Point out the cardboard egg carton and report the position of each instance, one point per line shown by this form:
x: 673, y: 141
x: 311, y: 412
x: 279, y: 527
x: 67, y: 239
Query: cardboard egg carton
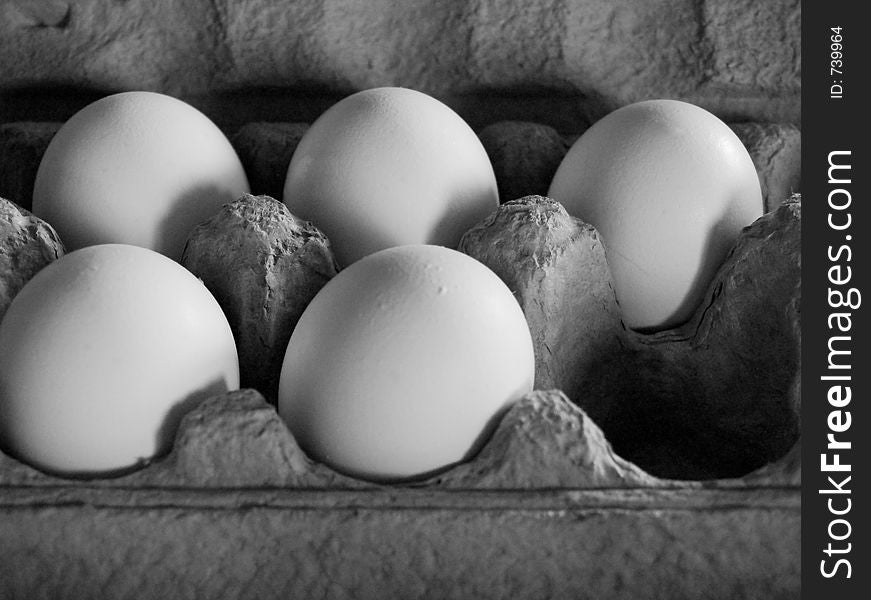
x: 643, y: 466
x: 561, y: 62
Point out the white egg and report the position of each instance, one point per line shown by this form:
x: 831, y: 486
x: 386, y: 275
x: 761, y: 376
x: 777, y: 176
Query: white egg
x: 136, y: 168
x: 387, y: 167
x: 403, y: 362
x: 101, y: 353
x: 669, y: 186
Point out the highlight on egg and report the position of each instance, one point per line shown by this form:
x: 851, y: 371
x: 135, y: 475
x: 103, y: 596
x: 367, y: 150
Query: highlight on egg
x: 403, y: 363
x: 136, y: 168
x: 101, y: 354
x: 669, y: 187
x: 387, y: 167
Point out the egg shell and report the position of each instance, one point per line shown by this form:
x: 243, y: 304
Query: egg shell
x: 669, y: 186
x: 403, y: 362
x: 387, y: 167
x: 100, y: 355
x: 137, y: 168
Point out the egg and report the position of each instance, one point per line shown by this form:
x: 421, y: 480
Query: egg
x: 136, y: 168
x: 101, y: 353
x: 403, y: 363
x: 387, y: 167
x: 669, y: 187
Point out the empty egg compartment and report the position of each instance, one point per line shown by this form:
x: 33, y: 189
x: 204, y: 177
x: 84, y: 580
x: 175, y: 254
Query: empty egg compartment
x: 716, y: 397
x: 660, y: 465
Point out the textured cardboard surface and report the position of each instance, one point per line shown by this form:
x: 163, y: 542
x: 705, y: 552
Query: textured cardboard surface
x: 27, y: 244
x: 711, y: 398
x: 263, y: 265
x: 546, y: 510
x: 560, y: 62
x: 552, y: 545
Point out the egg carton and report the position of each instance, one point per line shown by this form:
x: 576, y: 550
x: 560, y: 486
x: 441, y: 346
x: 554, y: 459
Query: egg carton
x: 664, y: 465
